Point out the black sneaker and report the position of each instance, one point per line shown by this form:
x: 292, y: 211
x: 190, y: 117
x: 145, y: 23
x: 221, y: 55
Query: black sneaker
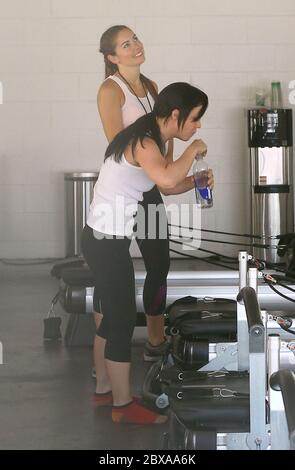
x: 154, y: 353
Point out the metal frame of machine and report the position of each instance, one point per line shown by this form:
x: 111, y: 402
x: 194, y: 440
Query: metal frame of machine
x: 260, y: 354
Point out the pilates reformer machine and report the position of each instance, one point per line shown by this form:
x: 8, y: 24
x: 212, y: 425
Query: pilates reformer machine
x: 222, y: 378
x: 227, y: 381
x: 188, y: 276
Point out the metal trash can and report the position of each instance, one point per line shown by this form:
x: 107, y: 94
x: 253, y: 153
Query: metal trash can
x: 78, y: 194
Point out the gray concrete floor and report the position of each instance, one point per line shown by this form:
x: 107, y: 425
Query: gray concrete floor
x: 46, y: 389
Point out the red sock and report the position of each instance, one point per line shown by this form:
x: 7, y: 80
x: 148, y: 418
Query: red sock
x: 136, y: 413
x: 103, y: 399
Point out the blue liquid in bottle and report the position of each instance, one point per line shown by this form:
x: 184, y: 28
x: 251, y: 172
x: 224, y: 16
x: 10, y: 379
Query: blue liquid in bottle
x: 204, y: 196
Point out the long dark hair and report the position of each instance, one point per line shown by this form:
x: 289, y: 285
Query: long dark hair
x: 107, y: 47
x: 181, y: 96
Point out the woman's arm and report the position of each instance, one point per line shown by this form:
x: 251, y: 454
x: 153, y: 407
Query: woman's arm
x: 110, y: 100
x: 166, y: 175
x: 187, y: 184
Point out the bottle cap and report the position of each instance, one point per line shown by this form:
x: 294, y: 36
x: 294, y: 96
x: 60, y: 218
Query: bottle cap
x: 260, y: 97
x: 200, y: 155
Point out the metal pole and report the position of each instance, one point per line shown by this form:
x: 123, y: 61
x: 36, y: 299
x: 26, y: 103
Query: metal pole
x: 278, y: 423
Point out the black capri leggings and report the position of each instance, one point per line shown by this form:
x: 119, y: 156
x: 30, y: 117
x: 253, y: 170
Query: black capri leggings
x: 110, y: 261
x: 155, y: 253
x: 111, y: 264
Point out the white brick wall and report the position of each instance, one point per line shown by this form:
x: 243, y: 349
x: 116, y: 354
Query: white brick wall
x: 50, y: 69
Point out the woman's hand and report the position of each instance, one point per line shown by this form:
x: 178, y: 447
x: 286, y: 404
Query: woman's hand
x: 210, y: 179
x: 200, y: 147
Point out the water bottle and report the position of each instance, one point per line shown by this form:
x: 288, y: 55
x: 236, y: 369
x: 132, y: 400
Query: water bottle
x: 276, y: 95
x: 203, y: 192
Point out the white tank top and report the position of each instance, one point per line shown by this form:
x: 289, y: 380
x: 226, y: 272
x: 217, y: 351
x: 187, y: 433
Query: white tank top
x: 118, y: 190
x: 132, y: 109
x: 120, y: 186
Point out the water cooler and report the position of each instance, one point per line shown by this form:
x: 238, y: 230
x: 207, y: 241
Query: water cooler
x: 270, y: 142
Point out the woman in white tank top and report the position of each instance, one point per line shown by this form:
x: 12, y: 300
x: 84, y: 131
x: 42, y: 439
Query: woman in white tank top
x: 176, y: 114
x: 123, y: 97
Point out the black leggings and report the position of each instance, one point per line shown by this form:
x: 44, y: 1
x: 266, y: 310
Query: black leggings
x: 155, y: 253
x: 111, y: 264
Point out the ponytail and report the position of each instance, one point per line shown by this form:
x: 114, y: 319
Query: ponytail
x: 110, y: 68
x: 150, y: 86
x: 145, y: 126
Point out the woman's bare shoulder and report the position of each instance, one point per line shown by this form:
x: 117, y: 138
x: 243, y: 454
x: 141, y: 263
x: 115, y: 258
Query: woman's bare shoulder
x: 147, y: 147
x: 108, y: 87
x: 110, y: 94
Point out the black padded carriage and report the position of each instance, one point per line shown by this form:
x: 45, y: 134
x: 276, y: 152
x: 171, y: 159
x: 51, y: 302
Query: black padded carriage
x: 203, y: 404
x: 195, y: 323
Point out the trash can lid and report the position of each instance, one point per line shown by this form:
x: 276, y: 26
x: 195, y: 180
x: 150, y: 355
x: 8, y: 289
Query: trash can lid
x: 85, y: 175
